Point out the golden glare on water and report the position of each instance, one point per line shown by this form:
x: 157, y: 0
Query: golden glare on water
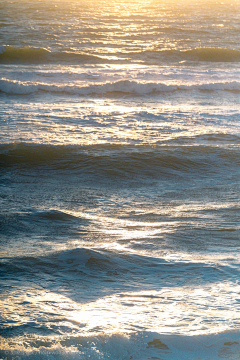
x: 119, y: 170
x: 190, y: 311
x: 113, y: 124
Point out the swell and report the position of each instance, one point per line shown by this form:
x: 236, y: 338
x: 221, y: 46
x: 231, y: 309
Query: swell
x: 32, y: 221
x: 207, y: 54
x: 131, y: 87
x: 89, y: 265
x: 213, y: 54
x: 28, y: 55
x: 121, y: 160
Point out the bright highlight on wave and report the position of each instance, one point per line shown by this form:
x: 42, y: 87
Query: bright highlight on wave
x: 118, y: 87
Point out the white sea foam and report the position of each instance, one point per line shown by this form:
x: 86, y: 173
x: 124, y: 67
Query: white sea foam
x: 136, y: 346
x: 118, y: 87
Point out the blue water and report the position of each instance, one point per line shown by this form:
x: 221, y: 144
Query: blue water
x: 119, y: 180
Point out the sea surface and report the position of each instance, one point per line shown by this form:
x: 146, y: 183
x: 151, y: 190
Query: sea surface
x: 119, y: 180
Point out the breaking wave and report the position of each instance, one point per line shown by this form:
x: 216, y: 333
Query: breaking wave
x: 81, y: 347
x: 140, y: 345
x: 114, y: 88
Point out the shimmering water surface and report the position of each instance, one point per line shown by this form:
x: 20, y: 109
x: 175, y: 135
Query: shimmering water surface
x: 119, y: 181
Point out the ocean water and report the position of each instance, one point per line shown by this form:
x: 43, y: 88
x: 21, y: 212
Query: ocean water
x: 119, y: 179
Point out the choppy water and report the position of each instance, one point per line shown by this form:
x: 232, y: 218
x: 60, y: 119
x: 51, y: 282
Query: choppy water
x: 119, y: 158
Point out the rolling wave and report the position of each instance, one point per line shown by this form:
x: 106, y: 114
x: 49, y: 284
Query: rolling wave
x: 119, y: 87
x: 121, y: 160
x: 207, y: 54
x: 98, y: 263
x: 213, y: 54
x: 28, y: 55
x: 12, y: 55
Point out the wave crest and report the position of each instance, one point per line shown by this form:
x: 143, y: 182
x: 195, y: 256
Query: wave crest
x: 119, y: 87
